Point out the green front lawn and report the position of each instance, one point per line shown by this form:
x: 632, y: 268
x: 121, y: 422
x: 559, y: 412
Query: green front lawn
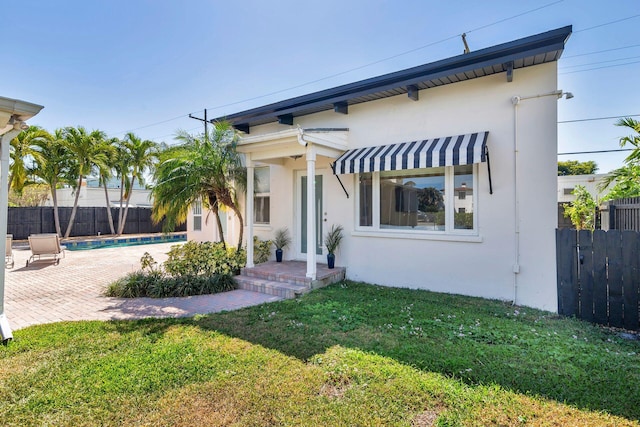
x: 349, y: 354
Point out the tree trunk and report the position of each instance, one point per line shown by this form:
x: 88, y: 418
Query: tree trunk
x: 235, y: 209
x: 56, y: 214
x: 120, y: 206
x: 106, y: 196
x: 215, y: 208
x: 126, y: 206
x: 75, y: 208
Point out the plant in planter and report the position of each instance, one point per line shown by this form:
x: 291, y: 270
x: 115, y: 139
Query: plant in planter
x: 282, y: 240
x: 332, y: 240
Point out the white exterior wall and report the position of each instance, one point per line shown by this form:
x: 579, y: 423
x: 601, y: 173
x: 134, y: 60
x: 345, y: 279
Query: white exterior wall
x: 481, y: 265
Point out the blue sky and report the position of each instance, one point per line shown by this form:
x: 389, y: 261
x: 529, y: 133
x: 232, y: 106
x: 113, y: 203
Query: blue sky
x: 143, y: 65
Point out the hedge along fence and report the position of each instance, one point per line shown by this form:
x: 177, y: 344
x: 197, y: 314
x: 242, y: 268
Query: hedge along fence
x: 90, y: 221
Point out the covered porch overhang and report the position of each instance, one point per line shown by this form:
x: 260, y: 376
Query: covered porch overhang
x: 274, y: 148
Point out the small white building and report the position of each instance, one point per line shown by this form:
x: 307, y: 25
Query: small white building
x: 444, y: 176
x: 567, y: 183
x: 94, y: 197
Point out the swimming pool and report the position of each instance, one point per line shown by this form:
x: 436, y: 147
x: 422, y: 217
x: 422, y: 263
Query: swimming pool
x: 116, y: 242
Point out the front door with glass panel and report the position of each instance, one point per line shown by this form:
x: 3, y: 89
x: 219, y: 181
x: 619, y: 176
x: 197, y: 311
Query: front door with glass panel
x: 302, y: 214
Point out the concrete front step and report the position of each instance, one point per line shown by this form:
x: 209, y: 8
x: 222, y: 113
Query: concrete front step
x: 270, y: 287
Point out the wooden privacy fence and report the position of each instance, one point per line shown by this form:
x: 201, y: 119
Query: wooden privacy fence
x: 89, y: 221
x: 624, y: 214
x: 599, y: 277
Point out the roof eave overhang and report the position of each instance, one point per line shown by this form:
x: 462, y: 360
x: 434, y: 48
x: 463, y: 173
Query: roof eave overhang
x: 550, y: 45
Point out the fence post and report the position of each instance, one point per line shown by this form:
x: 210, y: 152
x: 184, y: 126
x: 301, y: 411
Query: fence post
x: 612, y: 216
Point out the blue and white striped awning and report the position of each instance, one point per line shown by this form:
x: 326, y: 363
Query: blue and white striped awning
x: 429, y: 153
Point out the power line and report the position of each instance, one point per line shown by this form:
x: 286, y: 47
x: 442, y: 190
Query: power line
x: 599, y: 118
x: 600, y: 68
x: 599, y: 62
x: 595, y: 152
x: 607, y: 23
x: 600, y: 51
x: 387, y: 59
x: 353, y: 69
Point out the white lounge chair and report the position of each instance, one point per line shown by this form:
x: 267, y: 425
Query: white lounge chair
x: 9, y: 262
x: 45, y: 245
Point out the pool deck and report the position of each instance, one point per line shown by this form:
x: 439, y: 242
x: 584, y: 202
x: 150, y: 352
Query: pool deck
x: 72, y: 290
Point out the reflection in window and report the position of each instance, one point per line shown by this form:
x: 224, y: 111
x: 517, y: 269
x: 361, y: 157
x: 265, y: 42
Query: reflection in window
x: 366, y: 201
x: 262, y: 199
x: 463, y: 200
x: 431, y: 199
x: 413, y: 199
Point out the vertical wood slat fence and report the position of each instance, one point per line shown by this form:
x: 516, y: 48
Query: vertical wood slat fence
x: 624, y: 214
x: 89, y: 221
x: 599, y: 276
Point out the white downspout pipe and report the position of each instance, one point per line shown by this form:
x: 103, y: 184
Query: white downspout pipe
x: 516, y: 201
x: 515, y: 100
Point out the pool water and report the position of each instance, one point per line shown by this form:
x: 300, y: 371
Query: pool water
x: 83, y: 245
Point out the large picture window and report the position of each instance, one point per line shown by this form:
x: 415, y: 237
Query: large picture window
x: 262, y: 196
x: 439, y: 200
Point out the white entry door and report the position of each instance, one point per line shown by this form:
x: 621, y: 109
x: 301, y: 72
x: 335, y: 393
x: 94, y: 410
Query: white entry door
x: 301, y: 213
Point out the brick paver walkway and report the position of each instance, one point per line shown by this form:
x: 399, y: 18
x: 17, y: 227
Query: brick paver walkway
x: 72, y: 290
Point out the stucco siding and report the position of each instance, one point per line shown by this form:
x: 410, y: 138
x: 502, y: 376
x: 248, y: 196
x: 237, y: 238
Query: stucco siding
x: 479, y: 265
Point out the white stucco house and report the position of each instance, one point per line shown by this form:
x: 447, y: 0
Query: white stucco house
x: 444, y: 176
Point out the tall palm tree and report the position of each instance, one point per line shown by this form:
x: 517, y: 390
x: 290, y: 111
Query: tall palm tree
x: 105, y: 171
x: 52, y: 165
x: 21, y: 147
x: 87, y: 150
x: 141, y: 155
x: 205, y: 168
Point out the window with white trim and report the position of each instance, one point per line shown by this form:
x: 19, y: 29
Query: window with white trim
x: 262, y: 196
x: 433, y: 200
x: 196, y: 209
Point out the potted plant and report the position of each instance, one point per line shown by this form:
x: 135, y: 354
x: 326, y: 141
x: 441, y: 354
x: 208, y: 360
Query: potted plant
x: 282, y: 240
x: 332, y: 240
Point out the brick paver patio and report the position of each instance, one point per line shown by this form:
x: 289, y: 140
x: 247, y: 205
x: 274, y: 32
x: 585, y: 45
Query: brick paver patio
x: 72, y: 290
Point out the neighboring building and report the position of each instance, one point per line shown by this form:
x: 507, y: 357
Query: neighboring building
x: 401, y: 161
x: 567, y: 183
x: 94, y: 197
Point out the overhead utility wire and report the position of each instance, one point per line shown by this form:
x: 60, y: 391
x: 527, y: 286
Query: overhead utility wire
x: 386, y: 59
x: 600, y: 68
x: 600, y: 51
x: 606, y: 23
x: 599, y: 118
x: 599, y: 62
x: 596, y: 151
x: 393, y: 57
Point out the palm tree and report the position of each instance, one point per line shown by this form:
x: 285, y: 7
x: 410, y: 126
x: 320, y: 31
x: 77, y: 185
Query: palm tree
x: 205, y: 168
x: 105, y: 170
x: 87, y: 150
x: 52, y: 166
x: 627, y: 177
x: 21, y: 147
x: 139, y: 156
x: 631, y: 139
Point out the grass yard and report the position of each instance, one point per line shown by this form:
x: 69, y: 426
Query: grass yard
x: 349, y: 354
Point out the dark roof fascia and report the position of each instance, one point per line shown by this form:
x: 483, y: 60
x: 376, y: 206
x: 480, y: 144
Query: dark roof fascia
x: 549, y: 41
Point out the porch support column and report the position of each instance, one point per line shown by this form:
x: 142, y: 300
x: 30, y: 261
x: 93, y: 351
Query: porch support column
x: 311, y: 212
x: 249, y: 210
